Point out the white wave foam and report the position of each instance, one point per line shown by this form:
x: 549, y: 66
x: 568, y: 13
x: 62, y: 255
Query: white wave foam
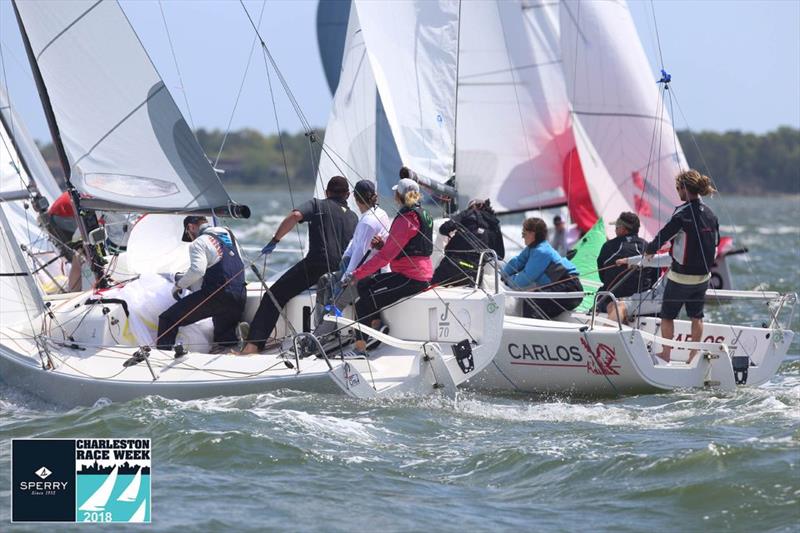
x: 598, y: 413
x: 778, y: 230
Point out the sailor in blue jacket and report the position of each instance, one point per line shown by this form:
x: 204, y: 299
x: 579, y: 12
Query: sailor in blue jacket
x: 540, y: 268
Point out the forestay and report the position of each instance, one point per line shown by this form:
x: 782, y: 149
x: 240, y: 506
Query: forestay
x: 127, y: 144
x: 616, y: 98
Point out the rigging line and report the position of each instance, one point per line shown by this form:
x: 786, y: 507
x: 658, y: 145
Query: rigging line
x: 515, y: 82
x: 241, y: 87
x: 177, y: 67
x: 286, y: 168
x: 658, y: 39
x: 658, y: 126
x: 455, y: 103
x: 292, y: 100
x: 748, y: 259
x: 576, y: 19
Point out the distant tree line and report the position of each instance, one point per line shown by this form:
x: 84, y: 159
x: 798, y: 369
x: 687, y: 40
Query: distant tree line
x: 739, y: 162
x: 747, y: 163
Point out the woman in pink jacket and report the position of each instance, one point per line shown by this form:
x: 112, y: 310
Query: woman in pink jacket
x: 407, y: 250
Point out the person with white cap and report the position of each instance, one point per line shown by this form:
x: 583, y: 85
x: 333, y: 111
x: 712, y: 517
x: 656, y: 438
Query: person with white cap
x: 407, y: 250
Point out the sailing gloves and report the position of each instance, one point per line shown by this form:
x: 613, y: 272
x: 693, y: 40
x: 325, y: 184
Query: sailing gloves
x: 270, y: 247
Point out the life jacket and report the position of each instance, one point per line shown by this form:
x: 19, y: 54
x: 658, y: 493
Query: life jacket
x: 420, y: 244
x: 229, y: 267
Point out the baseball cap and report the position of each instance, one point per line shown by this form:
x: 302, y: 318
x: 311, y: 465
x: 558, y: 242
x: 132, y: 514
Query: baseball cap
x: 191, y: 219
x: 405, y: 185
x: 364, y: 190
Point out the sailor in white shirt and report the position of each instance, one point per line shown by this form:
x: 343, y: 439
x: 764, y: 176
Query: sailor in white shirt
x: 372, y: 229
x: 374, y: 222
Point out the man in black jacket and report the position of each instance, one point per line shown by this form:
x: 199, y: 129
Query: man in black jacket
x: 471, y: 232
x: 618, y: 279
x: 331, y: 224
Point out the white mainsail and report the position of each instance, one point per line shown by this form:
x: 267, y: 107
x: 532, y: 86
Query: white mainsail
x: 615, y: 95
x: 131, y: 492
x: 513, y: 115
x: 127, y: 144
x: 98, y: 500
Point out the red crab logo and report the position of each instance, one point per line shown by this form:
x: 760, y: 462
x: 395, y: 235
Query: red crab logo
x: 601, y: 361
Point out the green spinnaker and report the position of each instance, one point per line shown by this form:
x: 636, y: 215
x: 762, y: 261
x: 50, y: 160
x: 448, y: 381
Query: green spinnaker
x: 585, y: 259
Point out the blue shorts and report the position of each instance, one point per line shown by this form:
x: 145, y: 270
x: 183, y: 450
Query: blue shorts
x: 676, y: 295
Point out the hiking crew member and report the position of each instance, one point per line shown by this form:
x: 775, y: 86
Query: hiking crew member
x: 541, y: 268
x: 618, y: 279
x: 373, y: 226
x: 330, y: 227
x: 215, y: 260
x: 471, y: 232
x: 407, y: 251
x: 694, y: 232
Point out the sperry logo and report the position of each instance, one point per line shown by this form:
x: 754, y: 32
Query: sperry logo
x: 43, y: 472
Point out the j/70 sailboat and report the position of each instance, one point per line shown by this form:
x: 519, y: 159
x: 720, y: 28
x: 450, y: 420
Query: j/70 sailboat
x: 534, y: 104
x: 124, y: 146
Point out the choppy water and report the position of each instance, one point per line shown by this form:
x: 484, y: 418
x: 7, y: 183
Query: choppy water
x: 683, y: 461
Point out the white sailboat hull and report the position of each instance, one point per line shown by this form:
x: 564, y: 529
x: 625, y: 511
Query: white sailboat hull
x: 551, y: 357
x: 419, y: 364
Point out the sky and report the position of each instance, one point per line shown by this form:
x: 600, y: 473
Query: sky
x: 735, y: 64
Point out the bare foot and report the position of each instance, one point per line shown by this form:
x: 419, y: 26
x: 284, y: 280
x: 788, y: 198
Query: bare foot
x: 249, y: 349
x: 663, y: 356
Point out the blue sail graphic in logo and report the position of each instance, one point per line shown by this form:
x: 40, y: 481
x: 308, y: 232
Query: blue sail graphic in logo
x: 115, y: 497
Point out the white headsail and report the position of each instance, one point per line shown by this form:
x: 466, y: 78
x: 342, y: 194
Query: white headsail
x: 127, y: 145
x: 22, y: 168
x: 412, y: 49
x: 349, y: 147
x: 21, y: 300
x: 24, y: 154
x: 615, y: 95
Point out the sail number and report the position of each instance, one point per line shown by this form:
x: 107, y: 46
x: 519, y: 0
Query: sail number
x: 96, y: 516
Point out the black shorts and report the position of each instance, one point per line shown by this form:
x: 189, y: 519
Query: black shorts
x: 676, y: 295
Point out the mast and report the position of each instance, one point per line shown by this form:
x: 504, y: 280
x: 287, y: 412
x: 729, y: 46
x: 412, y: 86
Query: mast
x: 84, y: 218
